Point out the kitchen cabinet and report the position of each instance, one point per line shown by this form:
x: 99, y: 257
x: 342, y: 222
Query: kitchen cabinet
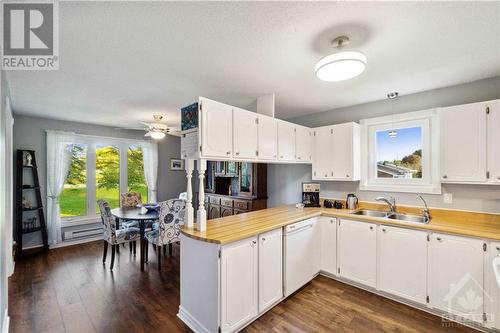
x: 456, y: 275
x: 268, y: 138
x: 493, y: 143
x: 216, y: 129
x: 328, y: 235
x: 286, y: 141
x: 402, y: 263
x: 270, y: 268
x: 239, y: 283
x: 463, y: 143
x: 303, y: 144
x: 357, y: 252
x: 492, y: 290
x: 337, y: 150
x: 245, y: 134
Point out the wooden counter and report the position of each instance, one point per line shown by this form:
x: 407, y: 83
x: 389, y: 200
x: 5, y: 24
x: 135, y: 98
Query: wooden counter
x: 233, y: 228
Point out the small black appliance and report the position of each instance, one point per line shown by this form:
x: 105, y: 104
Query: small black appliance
x: 310, y: 194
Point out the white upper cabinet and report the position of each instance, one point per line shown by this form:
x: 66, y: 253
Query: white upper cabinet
x: 239, y: 283
x: 456, y: 275
x: 493, y: 143
x: 346, y: 152
x: 270, y: 268
x: 286, y: 141
x: 245, y: 134
x: 402, y: 268
x: 357, y: 252
x: 216, y: 129
x: 268, y: 138
x: 337, y: 152
x: 328, y: 228
x: 463, y: 143
x: 303, y: 144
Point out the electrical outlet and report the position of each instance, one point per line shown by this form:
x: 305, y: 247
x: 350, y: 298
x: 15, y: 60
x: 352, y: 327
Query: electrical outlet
x: 448, y: 198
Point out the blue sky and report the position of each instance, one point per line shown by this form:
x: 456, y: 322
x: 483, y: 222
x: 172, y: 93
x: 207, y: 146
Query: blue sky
x: 406, y: 142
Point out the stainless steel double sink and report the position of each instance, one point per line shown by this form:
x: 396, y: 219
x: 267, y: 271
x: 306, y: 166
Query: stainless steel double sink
x: 392, y: 216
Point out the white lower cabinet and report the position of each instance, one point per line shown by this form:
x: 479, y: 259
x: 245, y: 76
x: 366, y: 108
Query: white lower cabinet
x: 239, y: 283
x: 456, y: 275
x: 402, y: 263
x: 492, y: 288
x: 328, y: 228
x: 270, y: 268
x: 357, y: 252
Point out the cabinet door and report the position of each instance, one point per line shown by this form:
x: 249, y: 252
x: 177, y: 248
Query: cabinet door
x: 494, y: 141
x: 239, y: 280
x: 402, y: 269
x: 268, y: 138
x: 328, y: 251
x: 492, y: 287
x: 270, y: 268
x: 304, y: 144
x: 286, y: 141
x: 245, y: 134
x: 456, y: 275
x: 346, y: 148
x: 322, y: 154
x: 213, y: 211
x: 357, y: 252
x: 463, y: 143
x: 216, y: 129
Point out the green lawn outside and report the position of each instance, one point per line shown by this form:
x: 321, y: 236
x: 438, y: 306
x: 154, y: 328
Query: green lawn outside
x: 73, y: 200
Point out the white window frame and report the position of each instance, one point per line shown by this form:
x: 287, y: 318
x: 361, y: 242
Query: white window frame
x: 91, y: 142
x: 428, y: 120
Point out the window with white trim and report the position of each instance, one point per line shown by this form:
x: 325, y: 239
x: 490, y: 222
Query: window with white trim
x: 402, y: 153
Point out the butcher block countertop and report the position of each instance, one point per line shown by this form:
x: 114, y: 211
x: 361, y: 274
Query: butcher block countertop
x: 229, y: 229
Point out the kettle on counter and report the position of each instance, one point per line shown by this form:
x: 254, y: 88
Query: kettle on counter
x: 351, y: 201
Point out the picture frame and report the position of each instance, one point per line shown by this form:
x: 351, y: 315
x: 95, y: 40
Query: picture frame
x: 176, y: 164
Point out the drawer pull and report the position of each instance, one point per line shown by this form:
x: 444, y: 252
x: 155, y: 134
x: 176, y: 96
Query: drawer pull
x: 384, y: 230
x: 445, y: 176
x: 371, y: 227
x: 237, y: 153
x: 439, y: 239
x: 263, y: 238
x: 498, y: 248
x: 228, y: 153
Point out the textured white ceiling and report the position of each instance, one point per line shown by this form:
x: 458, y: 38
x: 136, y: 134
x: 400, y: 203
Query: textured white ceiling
x: 121, y: 62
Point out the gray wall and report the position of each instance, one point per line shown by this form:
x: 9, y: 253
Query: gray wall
x: 284, y: 181
x: 29, y: 133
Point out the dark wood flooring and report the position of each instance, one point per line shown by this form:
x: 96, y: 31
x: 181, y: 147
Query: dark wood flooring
x: 69, y: 290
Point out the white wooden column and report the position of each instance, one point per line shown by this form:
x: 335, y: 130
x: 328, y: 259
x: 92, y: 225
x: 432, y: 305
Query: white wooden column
x: 189, y: 164
x: 201, y: 219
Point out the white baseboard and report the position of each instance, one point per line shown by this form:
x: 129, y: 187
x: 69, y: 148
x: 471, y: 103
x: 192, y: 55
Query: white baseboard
x: 76, y: 242
x: 191, y: 322
x: 6, y: 322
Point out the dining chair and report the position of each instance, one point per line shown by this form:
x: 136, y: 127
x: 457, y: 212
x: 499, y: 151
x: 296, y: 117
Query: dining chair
x: 130, y: 200
x: 114, y: 236
x: 171, y: 218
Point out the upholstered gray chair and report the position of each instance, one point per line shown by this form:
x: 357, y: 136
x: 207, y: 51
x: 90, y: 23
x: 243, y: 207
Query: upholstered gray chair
x: 112, y: 235
x: 171, y: 218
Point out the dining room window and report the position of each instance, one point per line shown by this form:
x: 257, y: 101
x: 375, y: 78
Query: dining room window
x: 107, y: 174
x: 135, y: 172
x: 73, y: 198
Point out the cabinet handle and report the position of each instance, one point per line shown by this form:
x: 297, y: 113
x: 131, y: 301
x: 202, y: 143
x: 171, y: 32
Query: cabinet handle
x: 371, y: 227
x: 326, y: 175
x: 281, y: 156
x: 384, y: 229
x: 445, y: 176
x: 263, y: 238
x: 331, y: 221
x: 253, y: 243
x: 347, y: 176
x: 274, y: 156
x: 498, y: 177
x: 439, y: 239
x: 237, y: 153
x: 298, y: 157
x: 228, y: 153
x: 498, y: 248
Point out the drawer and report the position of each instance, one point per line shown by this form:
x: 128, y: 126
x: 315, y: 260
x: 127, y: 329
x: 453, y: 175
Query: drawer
x: 214, y: 200
x: 243, y: 204
x: 226, y: 202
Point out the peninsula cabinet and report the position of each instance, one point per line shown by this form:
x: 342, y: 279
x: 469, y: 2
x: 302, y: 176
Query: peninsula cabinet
x: 239, y: 283
x: 357, y: 252
x: 402, y: 263
x: 492, y: 289
x: 245, y: 134
x: 217, y: 129
x: 469, y: 136
x: 456, y: 275
x: 268, y: 138
x: 337, y: 150
x: 286, y: 141
x: 270, y: 268
x: 328, y: 228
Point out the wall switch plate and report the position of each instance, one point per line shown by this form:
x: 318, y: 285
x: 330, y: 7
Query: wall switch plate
x: 448, y: 198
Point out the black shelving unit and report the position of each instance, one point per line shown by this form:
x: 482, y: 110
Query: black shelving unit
x: 28, y: 219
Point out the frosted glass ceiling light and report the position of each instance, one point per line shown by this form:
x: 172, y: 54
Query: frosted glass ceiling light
x: 342, y: 65
x: 392, y: 97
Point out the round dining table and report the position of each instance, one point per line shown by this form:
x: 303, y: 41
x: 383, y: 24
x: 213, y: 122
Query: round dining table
x: 135, y: 214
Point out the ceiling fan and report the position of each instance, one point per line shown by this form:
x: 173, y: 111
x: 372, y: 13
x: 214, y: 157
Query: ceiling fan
x: 156, y: 129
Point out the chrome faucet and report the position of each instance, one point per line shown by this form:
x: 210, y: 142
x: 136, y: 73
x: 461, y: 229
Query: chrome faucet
x: 391, y: 202
x: 425, y: 210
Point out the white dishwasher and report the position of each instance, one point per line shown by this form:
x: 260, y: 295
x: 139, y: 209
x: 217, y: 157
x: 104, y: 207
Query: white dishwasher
x: 299, y: 254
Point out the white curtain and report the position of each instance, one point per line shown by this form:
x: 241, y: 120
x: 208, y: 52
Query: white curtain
x: 58, y: 159
x: 150, y: 156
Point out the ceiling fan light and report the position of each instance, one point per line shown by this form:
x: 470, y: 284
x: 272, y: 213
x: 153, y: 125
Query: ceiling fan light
x: 157, y: 135
x: 341, y: 66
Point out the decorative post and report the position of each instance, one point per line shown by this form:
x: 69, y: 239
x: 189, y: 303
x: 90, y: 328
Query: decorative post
x: 201, y: 220
x: 189, y: 201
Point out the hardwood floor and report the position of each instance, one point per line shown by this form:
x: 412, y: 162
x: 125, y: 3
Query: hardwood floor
x: 69, y: 290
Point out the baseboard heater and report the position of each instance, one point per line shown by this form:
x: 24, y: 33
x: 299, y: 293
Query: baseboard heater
x: 82, y: 233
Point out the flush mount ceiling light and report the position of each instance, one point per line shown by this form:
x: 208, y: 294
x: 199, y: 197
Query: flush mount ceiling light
x: 340, y: 66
